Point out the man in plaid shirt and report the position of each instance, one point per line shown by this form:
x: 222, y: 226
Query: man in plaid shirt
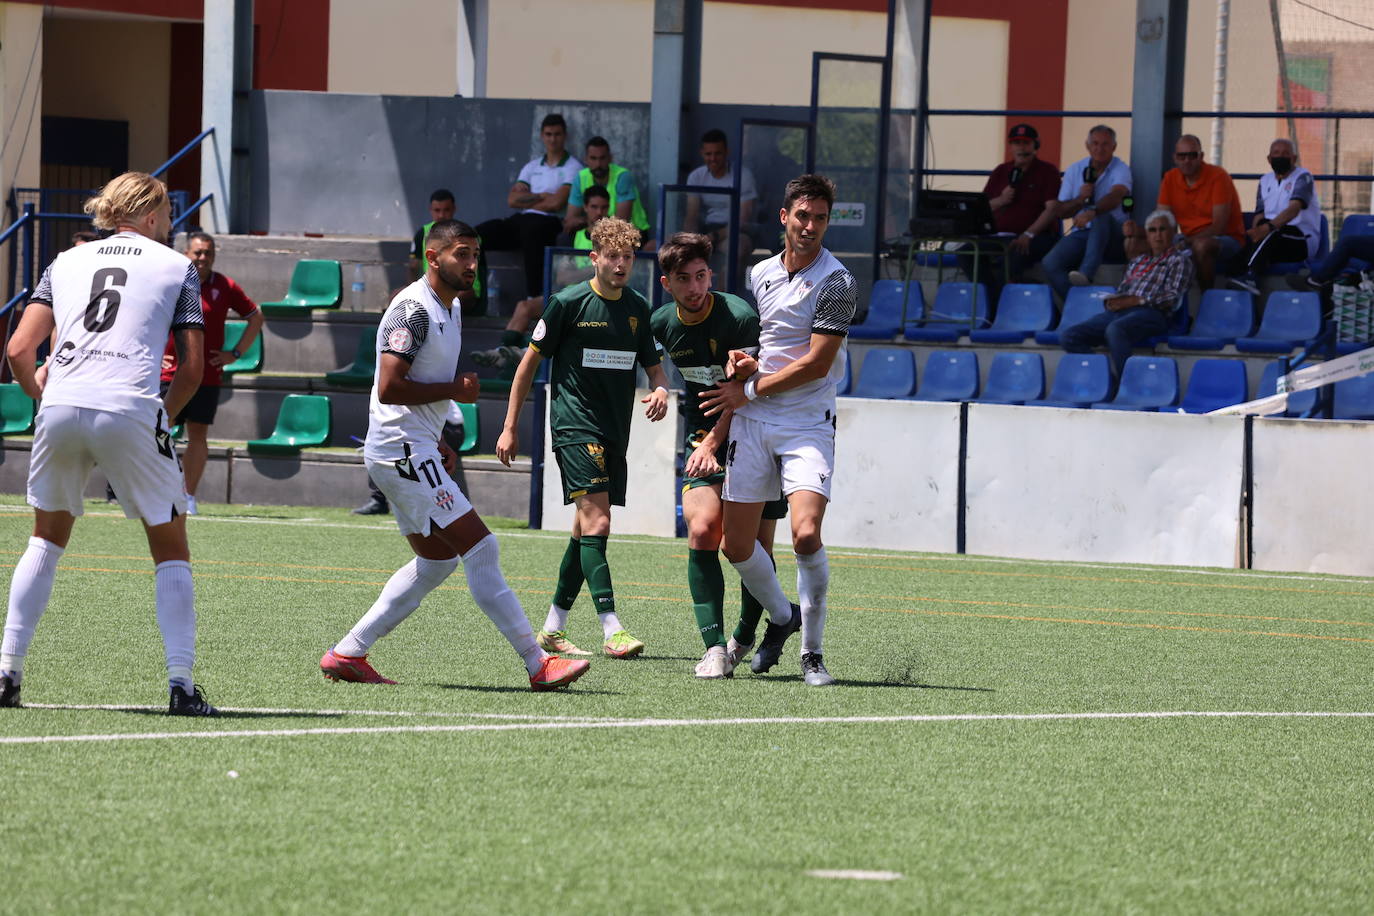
x: 1141, y: 306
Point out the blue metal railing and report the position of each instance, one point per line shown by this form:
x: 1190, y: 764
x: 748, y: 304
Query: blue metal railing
x: 183, y: 151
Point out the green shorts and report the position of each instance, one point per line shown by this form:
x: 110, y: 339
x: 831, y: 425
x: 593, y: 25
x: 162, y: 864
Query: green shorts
x: 590, y: 467
x: 773, y: 509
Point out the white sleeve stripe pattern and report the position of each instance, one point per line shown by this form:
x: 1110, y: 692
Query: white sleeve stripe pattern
x: 43, y: 293
x: 404, y: 329
x: 835, y: 303
x: 188, y: 312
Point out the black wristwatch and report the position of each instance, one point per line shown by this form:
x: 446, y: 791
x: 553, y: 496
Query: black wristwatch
x: 236, y: 352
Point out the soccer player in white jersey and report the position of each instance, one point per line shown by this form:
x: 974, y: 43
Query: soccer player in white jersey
x: 418, y: 344
x: 112, y: 303
x: 783, y: 429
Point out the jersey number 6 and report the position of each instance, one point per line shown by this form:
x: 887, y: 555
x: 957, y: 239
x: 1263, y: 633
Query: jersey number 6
x: 104, y: 306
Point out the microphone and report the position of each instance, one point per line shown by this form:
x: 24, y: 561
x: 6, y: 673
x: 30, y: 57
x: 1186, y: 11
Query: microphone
x: 1089, y: 173
x: 1015, y: 178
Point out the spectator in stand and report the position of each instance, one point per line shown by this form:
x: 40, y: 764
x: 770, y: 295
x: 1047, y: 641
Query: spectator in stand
x: 715, y: 171
x: 539, y: 196
x: 1288, y: 218
x: 601, y: 171
x: 84, y: 236
x: 1019, y: 192
x: 1091, y: 194
x: 1320, y: 279
x: 1146, y: 299
x: 442, y: 206
x: 1203, y: 199
x: 597, y: 202
x: 218, y: 294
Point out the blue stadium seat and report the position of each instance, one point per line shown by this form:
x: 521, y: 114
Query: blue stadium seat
x: 1022, y: 309
x: 888, y: 372
x: 847, y: 382
x: 1014, y: 378
x: 950, y: 315
x: 951, y: 375
x: 884, y: 319
x: 1214, y: 383
x: 1147, y: 383
x: 1358, y: 224
x: 1290, y: 320
x: 1223, y: 316
x: 1082, y: 303
x: 1299, y: 402
x: 1354, y: 399
x: 1080, y: 380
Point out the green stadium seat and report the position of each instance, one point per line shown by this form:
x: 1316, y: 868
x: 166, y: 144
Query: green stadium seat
x: 359, y: 373
x: 472, y: 427
x: 16, y: 411
x: 251, y: 360
x: 314, y: 285
x: 304, y: 422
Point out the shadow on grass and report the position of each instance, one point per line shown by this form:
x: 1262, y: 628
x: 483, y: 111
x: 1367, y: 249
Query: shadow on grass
x: 488, y: 688
x: 850, y: 682
x: 241, y: 714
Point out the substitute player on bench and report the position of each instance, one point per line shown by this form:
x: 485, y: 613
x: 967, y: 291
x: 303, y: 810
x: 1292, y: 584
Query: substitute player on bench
x: 113, y: 303
x: 783, y: 430
x: 418, y: 344
x: 697, y: 334
x: 595, y: 332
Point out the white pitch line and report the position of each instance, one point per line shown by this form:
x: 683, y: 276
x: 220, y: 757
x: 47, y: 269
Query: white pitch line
x: 855, y: 874
x: 563, y: 725
x: 263, y: 710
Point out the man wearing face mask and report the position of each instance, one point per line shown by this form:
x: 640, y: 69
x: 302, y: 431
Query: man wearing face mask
x: 1287, y: 224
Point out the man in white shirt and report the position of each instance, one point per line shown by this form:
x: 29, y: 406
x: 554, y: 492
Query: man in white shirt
x: 782, y: 434
x: 1288, y: 218
x: 538, y: 197
x: 715, y: 172
x: 1090, y: 194
x: 112, y: 304
x: 418, y: 344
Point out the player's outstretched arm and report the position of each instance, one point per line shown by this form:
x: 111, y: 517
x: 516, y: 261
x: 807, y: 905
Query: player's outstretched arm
x: 190, y: 347
x: 34, y: 327
x: 509, y: 443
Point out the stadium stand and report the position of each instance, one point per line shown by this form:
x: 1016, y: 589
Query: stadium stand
x: 1290, y: 320
x: 1223, y: 316
x: 304, y: 421
x: 472, y: 427
x: 1299, y: 402
x: 1354, y: 399
x: 16, y: 411
x: 847, y: 383
x: 1214, y: 383
x: 314, y: 285
x: 251, y: 360
x: 1083, y: 302
x: 892, y: 305
x: 1147, y: 383
x: 1081, y: 379
x: 951, y: 375
x: 360, y: 372
x: 888, y: 372
x: 1014, y: 378
x: 1022, y: 310
x: 957, y: 308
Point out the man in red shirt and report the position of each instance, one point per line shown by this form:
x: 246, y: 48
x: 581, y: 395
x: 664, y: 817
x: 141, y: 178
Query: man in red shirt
x: 1203, y: 199
x: 1017, y: 191
x: 218, y: 294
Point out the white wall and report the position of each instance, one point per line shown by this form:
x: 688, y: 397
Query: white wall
x: 552, y: 49
x: 21, y: 84
x: 401, y: 47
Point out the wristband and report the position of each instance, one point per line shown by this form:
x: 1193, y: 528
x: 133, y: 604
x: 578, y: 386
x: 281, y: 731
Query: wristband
x: 236, y: 353
x: 662, y: 389
x: 751, y: 389
x: 1028, y: 234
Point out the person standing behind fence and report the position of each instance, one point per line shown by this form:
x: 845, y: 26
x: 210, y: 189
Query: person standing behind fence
x: 112, y: 304
x: 218, y: 294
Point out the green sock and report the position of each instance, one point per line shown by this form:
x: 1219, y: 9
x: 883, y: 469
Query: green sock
x: 569, y: 575
x: 511, y: 338
x: 598, y: 573
x: 708, y: 595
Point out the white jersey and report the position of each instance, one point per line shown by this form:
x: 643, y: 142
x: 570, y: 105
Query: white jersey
x: 114, y: 302
x: 1275, y: 194
x: 819, y: 299
x: 424, y: 332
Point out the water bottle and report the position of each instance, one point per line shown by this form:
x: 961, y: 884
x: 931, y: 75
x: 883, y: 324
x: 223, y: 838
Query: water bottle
x: 493, y: 292
x: 358, y: 289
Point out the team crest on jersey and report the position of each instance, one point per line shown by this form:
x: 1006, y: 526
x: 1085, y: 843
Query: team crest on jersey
x: 598, y: 453
x: 713, y: 346
x: 539, y: 331
x: 399, y: 340
x: 444, y: 499
x: 634, y: 325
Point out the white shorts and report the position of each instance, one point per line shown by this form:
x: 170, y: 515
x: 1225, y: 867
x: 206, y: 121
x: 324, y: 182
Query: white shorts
x: 420, y: 491
x: 139, y: 461
x: 762, y: 457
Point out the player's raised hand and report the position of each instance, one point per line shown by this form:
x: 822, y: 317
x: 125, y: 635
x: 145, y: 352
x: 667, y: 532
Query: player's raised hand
x: 702, y: 462
x: 726, y: 395
x: 506, y: 446
x: 467, y: 388
x: 740, y: 365
x: 658, y: 404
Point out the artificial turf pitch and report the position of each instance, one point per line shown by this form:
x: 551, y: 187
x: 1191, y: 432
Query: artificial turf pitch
x: 954, y: 755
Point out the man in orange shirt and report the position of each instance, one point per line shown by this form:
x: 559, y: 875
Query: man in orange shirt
x: 1204, y: 201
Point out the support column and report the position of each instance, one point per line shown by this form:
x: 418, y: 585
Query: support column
x: 909, y: 47
x: 472, y: 48
x: 1161, y: 32
x: 227, y: 80
x: 666, y: 100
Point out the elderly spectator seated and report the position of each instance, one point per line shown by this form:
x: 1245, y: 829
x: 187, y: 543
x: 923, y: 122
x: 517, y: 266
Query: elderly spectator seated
x: 1091, y: 194
x: 1203, y: 199
x: 1288, y: 218
x: 1148, y: 294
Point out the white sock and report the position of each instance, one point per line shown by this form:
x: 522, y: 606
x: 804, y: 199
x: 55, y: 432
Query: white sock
x: 176, y: 618
x: 813, y: 582
x: 610, y: 624
x: 482, y: 564
x: 399, y: 598
x: 761, y: 579
x: 557, y: 619
x: 30, y: 589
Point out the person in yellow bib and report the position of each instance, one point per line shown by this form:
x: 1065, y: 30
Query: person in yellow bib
x: 602, y: 171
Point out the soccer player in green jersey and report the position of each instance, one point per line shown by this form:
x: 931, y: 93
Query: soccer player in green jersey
x: 697, y: 334
x: 595, y: 332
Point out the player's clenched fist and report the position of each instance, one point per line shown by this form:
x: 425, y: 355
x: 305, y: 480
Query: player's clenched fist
x: 466, y: 388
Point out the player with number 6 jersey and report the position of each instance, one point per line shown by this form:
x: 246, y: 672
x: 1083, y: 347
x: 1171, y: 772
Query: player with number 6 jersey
x: 112, y: 304
x: 418, y: 344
